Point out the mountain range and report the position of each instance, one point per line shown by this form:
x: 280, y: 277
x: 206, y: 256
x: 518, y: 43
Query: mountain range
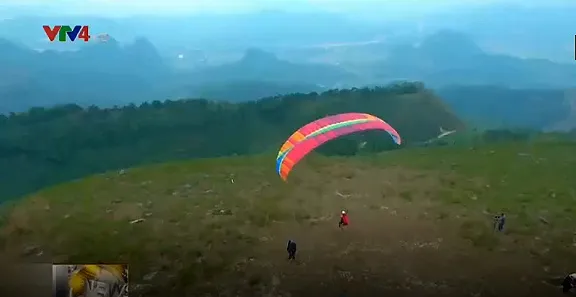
x: 498, y: 106
x: 111, y: 73
x: 449, y: 57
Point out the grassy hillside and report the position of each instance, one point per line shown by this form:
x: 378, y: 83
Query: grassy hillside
x: 420, y: 224
x: 49, y: 146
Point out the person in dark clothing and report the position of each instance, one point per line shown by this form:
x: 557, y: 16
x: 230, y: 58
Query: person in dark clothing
x: 569, y: 283
x: 291, y: 248
x: 499, y: 222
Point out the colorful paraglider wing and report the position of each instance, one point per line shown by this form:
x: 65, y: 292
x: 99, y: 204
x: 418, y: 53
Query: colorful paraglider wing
x: 309, y: 129
x: 286, y: 162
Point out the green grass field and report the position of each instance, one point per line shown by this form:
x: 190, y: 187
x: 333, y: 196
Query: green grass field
x: 421, y: 223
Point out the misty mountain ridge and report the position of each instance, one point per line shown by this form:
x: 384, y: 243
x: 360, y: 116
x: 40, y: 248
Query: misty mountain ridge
x: 259, y: 65
x: 449, y: 57
x: 108, y: 74
x: 96, y: 56
x: 258, y: 56
x: 102, y: 74
x: 497, y: 106
x: 531, y: 31
x: 461, y: 46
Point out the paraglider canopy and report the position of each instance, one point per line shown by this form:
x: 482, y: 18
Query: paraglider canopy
x: 316, y: 133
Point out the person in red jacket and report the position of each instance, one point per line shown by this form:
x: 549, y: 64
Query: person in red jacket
x: 343, y: 219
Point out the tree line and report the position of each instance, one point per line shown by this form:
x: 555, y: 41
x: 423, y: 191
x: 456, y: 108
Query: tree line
x: 44, y: 146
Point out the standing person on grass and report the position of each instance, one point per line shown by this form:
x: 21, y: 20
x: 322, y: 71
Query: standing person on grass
x: 499, y: 222
x: 344, y: 221
x: 569, y: 283
x: 291, y: 248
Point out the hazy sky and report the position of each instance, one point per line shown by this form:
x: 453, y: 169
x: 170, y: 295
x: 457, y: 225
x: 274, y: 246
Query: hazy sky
x: 132, y: 7
x: 126, y: 7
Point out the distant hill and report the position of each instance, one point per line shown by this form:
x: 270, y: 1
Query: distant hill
x: 103, y: 74
x: 109, y: 74
x: 541, y: 109
x: 449, y: 57
x: 67, y: 142
x: 259, y: 65
x: 543, y: 29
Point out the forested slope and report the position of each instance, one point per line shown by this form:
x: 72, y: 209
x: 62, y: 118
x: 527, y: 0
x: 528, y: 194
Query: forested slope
x: 47, y: 146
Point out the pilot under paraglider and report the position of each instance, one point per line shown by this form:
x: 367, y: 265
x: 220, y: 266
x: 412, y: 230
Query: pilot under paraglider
x: 343, y: 219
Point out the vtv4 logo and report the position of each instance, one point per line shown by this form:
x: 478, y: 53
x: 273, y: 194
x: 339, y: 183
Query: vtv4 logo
x: 66, y: 32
